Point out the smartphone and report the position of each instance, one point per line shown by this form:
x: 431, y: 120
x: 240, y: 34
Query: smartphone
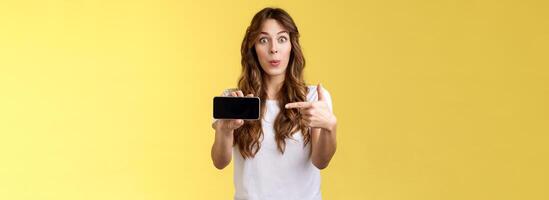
x: 228, y: 107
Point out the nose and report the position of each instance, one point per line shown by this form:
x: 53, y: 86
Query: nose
x: 274, y: 48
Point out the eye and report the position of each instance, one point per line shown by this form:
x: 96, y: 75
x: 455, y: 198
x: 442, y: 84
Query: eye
x: 282, y: 39
x: 263, y: 40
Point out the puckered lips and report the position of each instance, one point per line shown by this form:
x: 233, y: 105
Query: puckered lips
x: 274, y: 63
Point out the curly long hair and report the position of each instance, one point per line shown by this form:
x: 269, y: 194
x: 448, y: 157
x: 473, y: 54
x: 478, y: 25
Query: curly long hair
x: 252, y: 80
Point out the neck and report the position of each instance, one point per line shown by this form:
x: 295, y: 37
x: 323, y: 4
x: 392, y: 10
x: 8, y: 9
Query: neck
x: 274, y: 83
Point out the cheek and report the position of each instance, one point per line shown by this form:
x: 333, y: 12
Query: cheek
x: 286, y: 50
x: 261, y: 52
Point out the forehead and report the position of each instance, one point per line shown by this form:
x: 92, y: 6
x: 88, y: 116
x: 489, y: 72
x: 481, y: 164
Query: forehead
x: 272, y: 27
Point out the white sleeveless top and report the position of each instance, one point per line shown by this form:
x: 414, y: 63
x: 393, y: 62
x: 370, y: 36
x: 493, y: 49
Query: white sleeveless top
x: 273, y: 175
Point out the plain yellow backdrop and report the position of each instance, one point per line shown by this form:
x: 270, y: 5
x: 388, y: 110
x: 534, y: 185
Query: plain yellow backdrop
x: 434, y: 99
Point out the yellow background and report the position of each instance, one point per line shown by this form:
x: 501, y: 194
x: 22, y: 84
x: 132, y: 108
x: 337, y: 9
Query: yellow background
x: 435, y: 99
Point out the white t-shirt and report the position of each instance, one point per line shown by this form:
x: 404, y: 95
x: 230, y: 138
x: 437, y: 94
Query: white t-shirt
x: 273, y: 175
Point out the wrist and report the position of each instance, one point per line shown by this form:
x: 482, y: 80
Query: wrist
x: 224, y: 132
x: 331, y: 125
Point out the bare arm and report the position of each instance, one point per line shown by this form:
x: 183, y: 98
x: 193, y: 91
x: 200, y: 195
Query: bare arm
x: 222, y: 146
x: 223, y: 143
x: 323, y: 146
x: 319, y: 116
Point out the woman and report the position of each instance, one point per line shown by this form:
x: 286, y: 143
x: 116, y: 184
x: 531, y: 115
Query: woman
x: 280, y: 155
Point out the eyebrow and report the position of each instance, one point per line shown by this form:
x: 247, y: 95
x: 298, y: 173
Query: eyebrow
x: 277, y: 33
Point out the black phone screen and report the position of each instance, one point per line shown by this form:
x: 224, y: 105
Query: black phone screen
x: 236, y: 107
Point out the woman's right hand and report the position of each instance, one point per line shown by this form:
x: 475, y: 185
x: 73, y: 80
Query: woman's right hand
x: 227, y: 126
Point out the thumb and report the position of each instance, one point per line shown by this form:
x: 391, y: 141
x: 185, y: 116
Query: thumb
x: 239, y: 122
x: 236, y: 123
x: 320, y: 92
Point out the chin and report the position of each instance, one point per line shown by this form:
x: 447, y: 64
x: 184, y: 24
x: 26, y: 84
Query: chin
x: 275, y: 72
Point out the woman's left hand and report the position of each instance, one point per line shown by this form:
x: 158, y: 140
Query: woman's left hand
x: 317, y: 114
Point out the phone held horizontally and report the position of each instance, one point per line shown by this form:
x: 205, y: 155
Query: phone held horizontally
x: 229, y: 107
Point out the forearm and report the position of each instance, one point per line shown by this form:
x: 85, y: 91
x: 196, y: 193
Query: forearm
x: 324, y: 147
x: 222, y: 149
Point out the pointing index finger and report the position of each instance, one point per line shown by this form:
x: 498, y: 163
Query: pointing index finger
x: 298, y: 105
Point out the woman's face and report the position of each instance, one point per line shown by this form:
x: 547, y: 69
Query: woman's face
x: 273, y: 48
